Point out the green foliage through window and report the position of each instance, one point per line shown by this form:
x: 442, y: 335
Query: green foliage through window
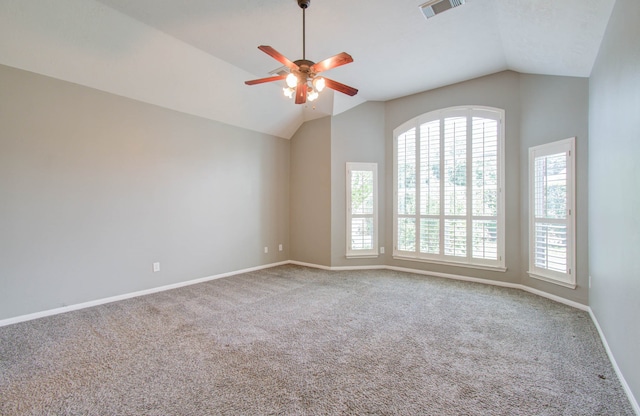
x: 447, y: 171
x: 361, y: 209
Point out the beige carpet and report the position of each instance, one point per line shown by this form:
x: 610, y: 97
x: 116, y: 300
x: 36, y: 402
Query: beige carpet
x: 297, y: 341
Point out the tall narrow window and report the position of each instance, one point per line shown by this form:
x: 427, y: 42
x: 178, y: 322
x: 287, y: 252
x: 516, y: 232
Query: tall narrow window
x: 551, y: 212
x: 362, y: 209
x: 448, y: 175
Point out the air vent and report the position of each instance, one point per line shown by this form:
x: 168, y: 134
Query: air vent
x: 434, y: 7
x: 283, y: 70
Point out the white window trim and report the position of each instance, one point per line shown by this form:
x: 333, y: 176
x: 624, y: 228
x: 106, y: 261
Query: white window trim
x: 563, y: 279
x: 373, y: 252
x: 500, y: 264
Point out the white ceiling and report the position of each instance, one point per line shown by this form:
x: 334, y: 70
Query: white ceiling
x: 396, y: 50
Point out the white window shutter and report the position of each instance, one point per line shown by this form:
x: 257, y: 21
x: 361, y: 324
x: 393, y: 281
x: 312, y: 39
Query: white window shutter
x: 362, y: 209
x: 551, y: 208
x: 447, y: 177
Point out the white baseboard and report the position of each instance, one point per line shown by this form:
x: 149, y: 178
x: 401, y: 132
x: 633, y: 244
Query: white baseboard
x: 625, y: 386
x: 338, y: 268
x: 455, y: 277
x: 623, y: 382
x: 559, y: 299
x: 50, y: 312
x: 495, y: 283
x: 56, y: 311
x: 315, y: 266
x: 537, y: 292
x: 97, y: 302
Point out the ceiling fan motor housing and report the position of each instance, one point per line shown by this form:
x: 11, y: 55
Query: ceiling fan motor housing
x: 304, y: 3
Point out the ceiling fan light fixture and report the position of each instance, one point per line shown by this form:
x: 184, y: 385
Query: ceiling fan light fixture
x: 288, y: 92
x: 301, y: 78
x: 292, y: 80
x: 319, y: 84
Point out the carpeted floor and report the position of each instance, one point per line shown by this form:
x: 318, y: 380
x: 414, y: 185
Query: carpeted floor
x: 299, y: 341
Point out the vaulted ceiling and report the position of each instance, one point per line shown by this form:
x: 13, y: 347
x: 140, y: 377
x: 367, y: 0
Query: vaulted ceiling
x: 193, y: 56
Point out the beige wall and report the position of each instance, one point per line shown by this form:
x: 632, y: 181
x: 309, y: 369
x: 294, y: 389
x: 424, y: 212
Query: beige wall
x: 556, y: 108
x: 94, y: 188
x: 499, y: 90
x: 99, y: 187
x: 538, y: 109
x: 310, y: 190
x: 614, y: 189
x: 356, y: 136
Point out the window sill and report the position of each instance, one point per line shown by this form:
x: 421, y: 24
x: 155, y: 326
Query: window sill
x: 501, y: 269
x: 551, y: 280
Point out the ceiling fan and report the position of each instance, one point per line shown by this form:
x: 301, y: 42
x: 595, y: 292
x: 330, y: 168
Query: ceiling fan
x: 303, y: 79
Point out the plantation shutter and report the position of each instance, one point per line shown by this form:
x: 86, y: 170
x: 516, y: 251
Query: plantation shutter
x: 447, y: 176
x: 362, y: 237
x: 455, y: 186
x: 551, y: 212
x: 484, y: 187
x: 430, y: 187
x: 406, y: 190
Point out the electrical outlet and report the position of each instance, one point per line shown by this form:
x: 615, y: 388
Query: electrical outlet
x: 381, y: 250
x: 279, y: 247
x: 156, y: 267
x: 266, y: 250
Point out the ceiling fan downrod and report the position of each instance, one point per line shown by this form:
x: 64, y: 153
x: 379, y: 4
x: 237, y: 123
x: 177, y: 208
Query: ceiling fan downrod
x: 303, y: 5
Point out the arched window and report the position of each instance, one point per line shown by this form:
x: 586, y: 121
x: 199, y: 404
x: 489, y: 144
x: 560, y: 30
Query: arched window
x: 448, y: 187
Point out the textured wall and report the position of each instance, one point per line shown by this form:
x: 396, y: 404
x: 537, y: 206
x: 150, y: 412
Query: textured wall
x: 94, y: 188
x: 91, y: 44
x: 499, y: 90
x: 614, y: 189
x: 357, y: 136
x: 556, y: 108
x: 310, y: 190
x: 539, y: 109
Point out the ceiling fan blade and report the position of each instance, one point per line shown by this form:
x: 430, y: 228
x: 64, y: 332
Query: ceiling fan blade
x: 301, y: 93
x: 335, y: 61
x: 335, y: 85
x: 263, y: 80
x: 277, y: 56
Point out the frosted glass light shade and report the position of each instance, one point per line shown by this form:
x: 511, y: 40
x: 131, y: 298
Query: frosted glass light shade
x: 319, y: 84
x: 288, y: 92
x: 292, y: 80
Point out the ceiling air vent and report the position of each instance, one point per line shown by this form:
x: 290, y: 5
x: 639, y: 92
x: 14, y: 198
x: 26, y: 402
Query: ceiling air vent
x: 283, y: 70
x: 434, y: 7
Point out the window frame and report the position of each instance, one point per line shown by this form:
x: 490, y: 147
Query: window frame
x: 362, y: 253
x: 441, y: 114
x: 567, y: 279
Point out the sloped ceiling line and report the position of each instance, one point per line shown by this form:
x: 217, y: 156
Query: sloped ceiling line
x: 195, y: 56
